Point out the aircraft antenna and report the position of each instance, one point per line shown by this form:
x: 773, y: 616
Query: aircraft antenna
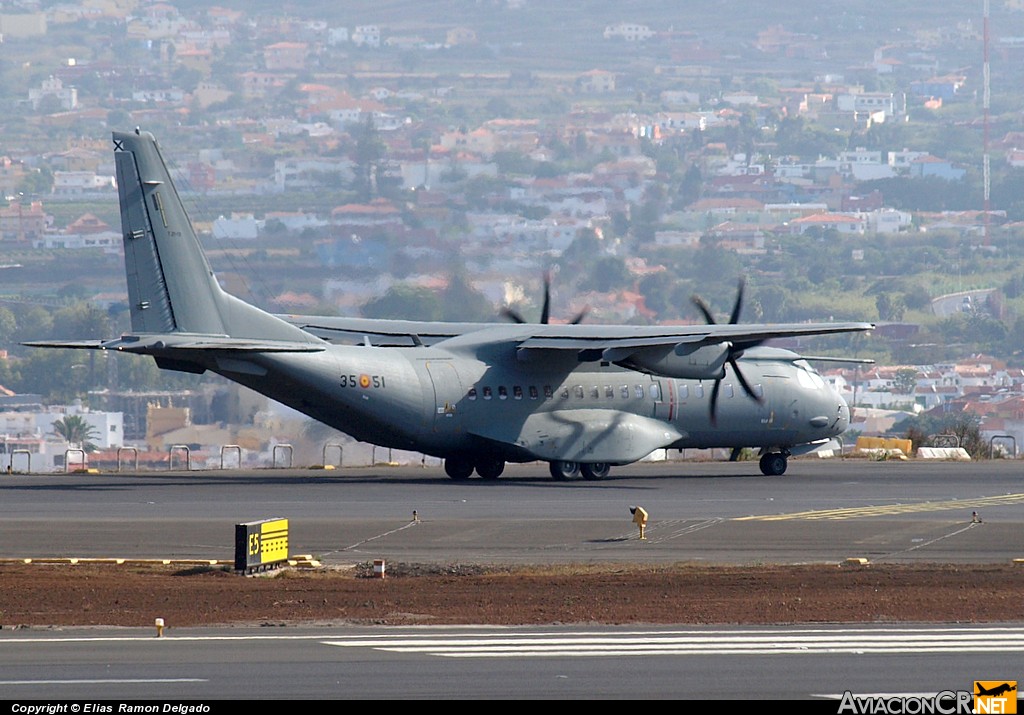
x: 986, y: 104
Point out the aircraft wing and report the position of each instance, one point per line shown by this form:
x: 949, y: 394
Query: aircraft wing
x: 696, y: 352
x: 342, y: 330
x: 624, y: 338
x: 380, y: 333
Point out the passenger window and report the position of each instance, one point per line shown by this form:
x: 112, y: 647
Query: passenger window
x: 502, y: 393
x: 655, y: 392
x: 487, y: 393
x: 578, y: 390
x: 758, y: 390
x: 624, y: 391
x: 472, y: 393
x: 565, y: 393
x: 684, y: 392
x: 517, y: 392
x: 639, y: 392
x: 548, y: 392
x: 533, y: 392
x: 595, y: 392
x: 609, y: 392
x: 728, y: 391
x: 698, y: 391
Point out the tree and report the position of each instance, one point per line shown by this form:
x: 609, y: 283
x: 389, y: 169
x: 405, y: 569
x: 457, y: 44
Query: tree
x: 369, y: 155
x: 905, y: 381
x: 890, y: 306
x: 609, y: 273
x: 8, y: 326
x: 460, y: 301
x: 773, y: 301
x: 74, y: 430
x: 405, y: 302
x: 965, y: 425
x: 656, y: 289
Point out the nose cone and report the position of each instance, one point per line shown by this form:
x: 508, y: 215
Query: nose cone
x: 842, y: 415
x: 832, y: 417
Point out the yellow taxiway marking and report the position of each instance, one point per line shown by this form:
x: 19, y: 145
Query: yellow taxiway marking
x: 859, y: 512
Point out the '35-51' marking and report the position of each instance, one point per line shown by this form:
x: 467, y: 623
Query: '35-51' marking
x: 364, y: 381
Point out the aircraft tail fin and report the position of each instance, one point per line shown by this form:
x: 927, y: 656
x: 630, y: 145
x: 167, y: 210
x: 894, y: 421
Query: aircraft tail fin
x: 171, y: 287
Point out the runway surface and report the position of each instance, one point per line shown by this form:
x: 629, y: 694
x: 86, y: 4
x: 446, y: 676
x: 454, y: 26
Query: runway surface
x: 820, y: 511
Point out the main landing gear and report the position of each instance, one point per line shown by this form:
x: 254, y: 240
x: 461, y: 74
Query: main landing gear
x: 461, y: 467
x: 592, y: 471
x: 773, y: 464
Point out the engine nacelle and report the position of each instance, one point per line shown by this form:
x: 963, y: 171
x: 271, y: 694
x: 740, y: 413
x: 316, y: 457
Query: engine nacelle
x: 684, y: 361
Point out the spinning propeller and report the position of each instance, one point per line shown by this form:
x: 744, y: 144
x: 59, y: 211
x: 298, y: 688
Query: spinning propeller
x: 545, y: 313
x: 734, y: 353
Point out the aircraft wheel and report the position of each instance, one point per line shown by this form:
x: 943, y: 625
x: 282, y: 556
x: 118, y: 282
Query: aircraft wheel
x: 773, y: 464
x: 458, y: 468
x: 490, y: 469
x: 560, y: 471
x: 595, y: 471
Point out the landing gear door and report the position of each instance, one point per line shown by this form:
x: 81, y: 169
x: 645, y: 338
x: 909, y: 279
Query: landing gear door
x: 447, y: 396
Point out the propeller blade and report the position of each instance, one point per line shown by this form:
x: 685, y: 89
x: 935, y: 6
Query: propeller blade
x: 714, y: 402
x: 743, y: 381
x: 703, y: 308
x: 513, y: 315
x: 580, y: 316
x: 545, y: 313
x: 738, y: 305
x: 735, y: 453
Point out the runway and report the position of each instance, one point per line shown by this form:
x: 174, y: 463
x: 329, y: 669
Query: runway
x: 820, y: 511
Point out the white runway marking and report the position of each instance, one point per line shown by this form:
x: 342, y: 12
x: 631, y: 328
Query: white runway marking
x: 767, y: 642
x: 105, y: 681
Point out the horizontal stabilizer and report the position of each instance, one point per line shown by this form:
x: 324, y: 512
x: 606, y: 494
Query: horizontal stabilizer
x: 168, y: 342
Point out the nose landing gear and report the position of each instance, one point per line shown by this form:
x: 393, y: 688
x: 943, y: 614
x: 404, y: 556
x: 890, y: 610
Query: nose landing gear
x: 773, y: 464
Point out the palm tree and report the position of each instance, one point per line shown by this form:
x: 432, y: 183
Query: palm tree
x: 76, y: 431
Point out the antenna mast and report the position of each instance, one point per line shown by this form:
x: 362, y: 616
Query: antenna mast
x: 986, y: 103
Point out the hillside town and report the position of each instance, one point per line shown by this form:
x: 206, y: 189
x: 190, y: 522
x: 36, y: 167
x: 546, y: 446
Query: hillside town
x: 433, y: 170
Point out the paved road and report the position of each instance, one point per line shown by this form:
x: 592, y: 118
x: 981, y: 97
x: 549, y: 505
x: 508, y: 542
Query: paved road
x: 820, y: 511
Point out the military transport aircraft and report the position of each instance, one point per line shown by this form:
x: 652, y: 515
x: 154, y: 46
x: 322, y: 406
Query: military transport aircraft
x: 478, y: 395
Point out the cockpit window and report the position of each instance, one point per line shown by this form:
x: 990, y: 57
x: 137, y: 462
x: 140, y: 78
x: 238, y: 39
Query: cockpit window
x: 807, y: 376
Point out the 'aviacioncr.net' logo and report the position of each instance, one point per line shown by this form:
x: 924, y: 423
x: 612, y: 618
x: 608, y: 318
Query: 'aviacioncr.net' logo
x: 995, y: 696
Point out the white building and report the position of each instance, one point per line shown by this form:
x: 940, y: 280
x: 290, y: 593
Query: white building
x: 80, y: 182
x: 67, y: 97
x: 368, y: 35
x: 28, y: 439
x: 628, y: 31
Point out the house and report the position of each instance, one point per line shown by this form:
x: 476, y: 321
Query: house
x: 460, y: 36
x: 285, y: 56
x: 879, y: 106
x: 80, y: 182
x: 366, y: 35
x: 842, y: 223
x: 65, y: 98
x: 21, y: 223
x: 379, y: 212
x: 629, y: 32
x: 596, y: 82
x: 926, y: 166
